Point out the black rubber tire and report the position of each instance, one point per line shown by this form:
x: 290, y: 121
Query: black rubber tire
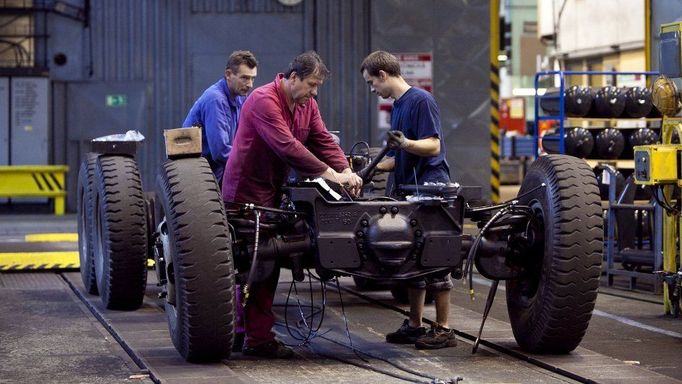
x: 550, y: 308
x: 200, y: 304
x: 399, y: 293
x: 121, y: 236
x: 86, y: 216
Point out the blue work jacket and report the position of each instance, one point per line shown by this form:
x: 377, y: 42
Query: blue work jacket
x: 218, y: 113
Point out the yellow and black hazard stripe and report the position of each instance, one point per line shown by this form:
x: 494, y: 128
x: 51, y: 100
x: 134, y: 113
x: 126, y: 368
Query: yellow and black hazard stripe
x: 46, y: 181
x: 23, y: 261
x: 23, y: 179
x: 494, y: 101
x: 40, y: 251
x: 16, y: 261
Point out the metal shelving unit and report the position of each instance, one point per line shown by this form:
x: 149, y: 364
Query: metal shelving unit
x: 613, y: 253
x: 561, y: 117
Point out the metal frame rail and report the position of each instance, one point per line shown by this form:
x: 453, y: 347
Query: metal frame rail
x: 610, y: 246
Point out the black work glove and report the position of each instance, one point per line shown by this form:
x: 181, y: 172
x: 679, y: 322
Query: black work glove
x: 396, y: 139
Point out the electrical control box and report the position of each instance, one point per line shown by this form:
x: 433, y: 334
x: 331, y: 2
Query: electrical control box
x: 657, y: 164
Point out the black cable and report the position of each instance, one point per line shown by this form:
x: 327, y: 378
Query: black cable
x: 673, y: 210
x: 350, y: 346
x: 469, y: 266
x: 506, y: 207
x: 664, y: 203
x: 472, y: 251
x: 345, y: 320
x: 312, y: 331
x: 366, y: 365
x: 304, y: 340
x: 506, y: 203
x: 254, y: 207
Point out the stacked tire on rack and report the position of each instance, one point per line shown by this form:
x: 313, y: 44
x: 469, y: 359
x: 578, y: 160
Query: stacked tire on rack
x: 113, y: 230
x: 606, y: 102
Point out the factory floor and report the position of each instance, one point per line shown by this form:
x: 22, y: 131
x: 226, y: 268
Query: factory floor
x: 53, y: 331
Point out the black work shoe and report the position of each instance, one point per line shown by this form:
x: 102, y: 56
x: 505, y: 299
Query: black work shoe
x: 437, y: 337
x: 238, y: 342
x: 273, y: 349
x: 405, y: 334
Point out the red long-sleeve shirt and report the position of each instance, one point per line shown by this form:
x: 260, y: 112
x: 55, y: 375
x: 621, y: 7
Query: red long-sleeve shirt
x: 270, y: 141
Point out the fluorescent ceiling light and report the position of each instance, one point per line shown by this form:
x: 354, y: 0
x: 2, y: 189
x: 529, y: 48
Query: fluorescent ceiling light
x: 528, y: 91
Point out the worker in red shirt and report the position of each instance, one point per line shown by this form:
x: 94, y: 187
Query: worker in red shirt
x: 280, y: 128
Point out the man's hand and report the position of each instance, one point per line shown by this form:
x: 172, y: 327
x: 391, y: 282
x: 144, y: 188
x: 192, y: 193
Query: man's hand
x: 396, y: 139
x: 350, y: 181
x: 347, y: 179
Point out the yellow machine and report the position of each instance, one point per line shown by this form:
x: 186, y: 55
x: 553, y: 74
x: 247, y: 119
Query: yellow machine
x: 658, y: 166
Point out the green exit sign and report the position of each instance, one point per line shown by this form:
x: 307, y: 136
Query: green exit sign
x: 117, y: 100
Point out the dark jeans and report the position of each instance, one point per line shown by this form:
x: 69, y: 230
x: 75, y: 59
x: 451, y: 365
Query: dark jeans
x: 256, y: 318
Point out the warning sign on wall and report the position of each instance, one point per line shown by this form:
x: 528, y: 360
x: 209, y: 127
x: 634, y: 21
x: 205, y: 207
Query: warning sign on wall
x: 417, y: 70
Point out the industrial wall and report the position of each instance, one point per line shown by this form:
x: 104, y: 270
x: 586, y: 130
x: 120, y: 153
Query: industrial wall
x: 158, y: 56
x: 662, y: 12
x: 140, y: 65
x: 457, y: 34
x: 591, y: 28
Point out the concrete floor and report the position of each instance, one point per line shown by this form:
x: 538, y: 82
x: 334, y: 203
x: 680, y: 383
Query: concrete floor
x: 48, y: 335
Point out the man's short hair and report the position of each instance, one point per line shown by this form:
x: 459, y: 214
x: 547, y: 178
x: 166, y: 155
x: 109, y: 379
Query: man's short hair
x: 306, y: 64
x: 238, y: 58
x: 380, y: 61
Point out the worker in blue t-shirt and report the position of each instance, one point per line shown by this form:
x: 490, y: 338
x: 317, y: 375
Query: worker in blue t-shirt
x: 417, y: 157
x: 218, y: 108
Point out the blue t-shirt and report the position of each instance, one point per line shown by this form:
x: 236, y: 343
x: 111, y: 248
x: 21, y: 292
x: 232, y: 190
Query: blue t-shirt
x: 218, y: 113
x: 416, y: 115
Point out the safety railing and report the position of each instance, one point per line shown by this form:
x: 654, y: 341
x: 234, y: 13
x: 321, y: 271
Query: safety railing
x: 21, y: 181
